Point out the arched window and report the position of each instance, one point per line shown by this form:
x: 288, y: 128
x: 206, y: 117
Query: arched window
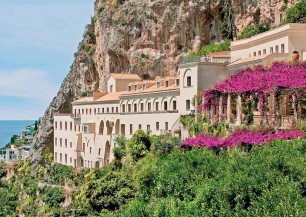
x: 101, y: 127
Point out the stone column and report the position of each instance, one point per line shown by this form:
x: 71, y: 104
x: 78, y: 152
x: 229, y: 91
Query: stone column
x: 220, y: 108
x: 239, y: 110
x: 228, y: 109
x: 294, y: 107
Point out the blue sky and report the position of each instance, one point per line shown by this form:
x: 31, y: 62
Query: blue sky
x: 38, y: 39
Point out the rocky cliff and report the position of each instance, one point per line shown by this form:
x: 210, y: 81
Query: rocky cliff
x: 148, y: 37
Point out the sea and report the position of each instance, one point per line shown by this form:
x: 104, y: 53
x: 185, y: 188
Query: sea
x: 10, y: 128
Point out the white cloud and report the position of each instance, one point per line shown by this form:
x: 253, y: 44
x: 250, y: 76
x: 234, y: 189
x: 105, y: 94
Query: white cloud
x: 28, y: 83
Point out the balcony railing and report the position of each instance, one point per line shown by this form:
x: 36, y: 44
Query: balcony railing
x: 149, y: 112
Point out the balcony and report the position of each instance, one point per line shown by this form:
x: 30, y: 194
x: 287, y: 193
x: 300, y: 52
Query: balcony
x: 149, y: 112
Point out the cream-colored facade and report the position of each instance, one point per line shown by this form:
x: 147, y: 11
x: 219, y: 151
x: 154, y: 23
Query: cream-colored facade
x: 85, y: 138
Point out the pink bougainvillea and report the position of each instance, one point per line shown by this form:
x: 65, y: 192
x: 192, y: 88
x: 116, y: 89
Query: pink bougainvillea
x: 260, y: 80
x: 241, y: 137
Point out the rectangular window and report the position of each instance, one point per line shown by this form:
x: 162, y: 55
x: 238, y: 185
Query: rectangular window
x: 102, y: 110
x: 177, y: 82
x: 129, y: 108
x: 167, y: 84
x: 271, y: 49
x: 87, y: 111
x: 123, y: 108
x: 70, y: 126
x: 95, y: 111
x: 85, y: 129
x: 107, y: 110
x: 61, y: 157
x: 139, y: 127
x: 70, y: 144
x: 188, y: 105
x: 135, y: 87
x: 166, y: 126
x: 158, y: 84
x: 98, y: 110
x: 117, y: 110
x: 144, y: 86
x: 55, y: 156
x: 282, y: 48
x: 129, y: 88
x: 189, y: 81
x: 157, y: 125
x: 254, y: 54
x: 66, y: 143
x: 149, y: 107
x: 112, y: 109
x: 165, y: 106
x: 71, y: 160
x: 148, y: 128
x: 131, y: 129
x: 65, y: 158
x: 65, y: 125
x: 157, y: 106
x: 111, y: 88
x: 264, y: 51
x: 174, y: 106
x: 135, y: 107
x: 276, y: 49
x: 259, y: 53
x: 61, y: 125
x: 61, y: 142
x: 141, y: 107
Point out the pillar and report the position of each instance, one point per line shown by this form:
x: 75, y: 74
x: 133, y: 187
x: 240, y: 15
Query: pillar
x: 239, y: 108
x: 220, y: 107
x: 228, y: 109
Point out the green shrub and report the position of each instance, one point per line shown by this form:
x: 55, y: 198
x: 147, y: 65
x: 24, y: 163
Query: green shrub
x: 297, y: 13
x: 2, y: 170
x: 139, y: 145
x: 164, y: 144
x: 53, y: 197
x: 249, y: 31
x: 211, y: 48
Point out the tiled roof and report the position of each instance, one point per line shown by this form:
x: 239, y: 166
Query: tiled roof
x: 125, y: 76
x: 110, y: 96
x: 151, y: 89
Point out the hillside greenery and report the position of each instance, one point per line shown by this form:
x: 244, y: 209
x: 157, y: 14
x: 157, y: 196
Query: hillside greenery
x: 250, y: 31
x: 296, y: 13
x: 153, y: 176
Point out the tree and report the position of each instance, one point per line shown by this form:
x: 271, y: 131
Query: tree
x: 139, y: 145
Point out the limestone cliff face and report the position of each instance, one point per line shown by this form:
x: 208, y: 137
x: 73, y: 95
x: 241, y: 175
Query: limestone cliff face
x: 148, y: 37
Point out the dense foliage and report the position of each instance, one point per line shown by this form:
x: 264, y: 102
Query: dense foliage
x: 260, y: 80
x: 296, y: 13
x: 249, y: 31
x: 207, y: 49
x: 268, y: 181
x: 242, y: 137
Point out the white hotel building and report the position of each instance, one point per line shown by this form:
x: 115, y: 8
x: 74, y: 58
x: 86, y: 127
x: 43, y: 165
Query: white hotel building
x: 85, y: 138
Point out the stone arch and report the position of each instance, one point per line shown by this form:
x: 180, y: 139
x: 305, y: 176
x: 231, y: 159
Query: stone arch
x: 101, y: 127
x: 109, y: 127
x: 147, y: 105
x: 173, y: 103
x: 164, y: 104
x: 187, y: 73
x: 117, y: 127
x: 139, y: 105
x: 107, y: 153
x: 154, y: 105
